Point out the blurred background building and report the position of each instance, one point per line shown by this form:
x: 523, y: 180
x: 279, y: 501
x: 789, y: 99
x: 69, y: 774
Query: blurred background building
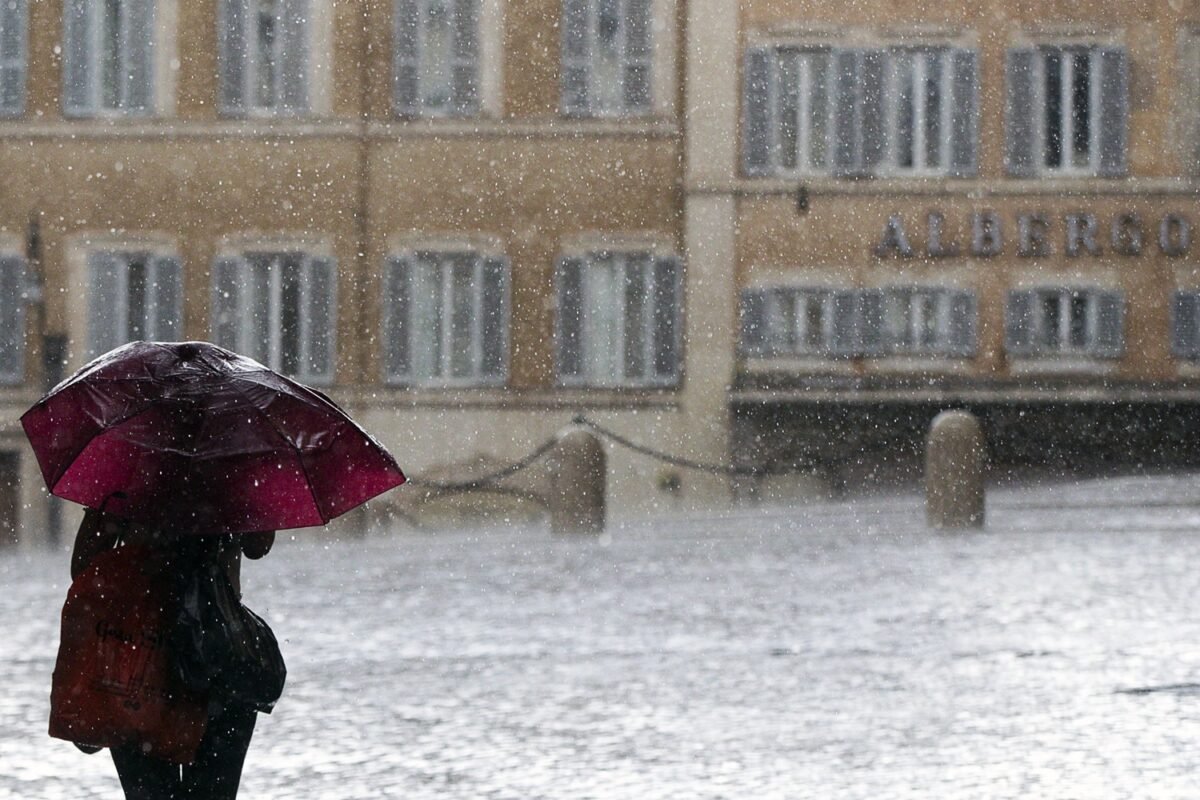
x: 776, y: 234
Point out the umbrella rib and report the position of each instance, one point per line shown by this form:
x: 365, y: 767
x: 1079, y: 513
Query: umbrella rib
x: 58, y: 478
x: 280, y: 434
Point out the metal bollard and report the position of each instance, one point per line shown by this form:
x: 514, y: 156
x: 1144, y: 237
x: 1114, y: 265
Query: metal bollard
x: 954, y: 454
x: 577, y: 485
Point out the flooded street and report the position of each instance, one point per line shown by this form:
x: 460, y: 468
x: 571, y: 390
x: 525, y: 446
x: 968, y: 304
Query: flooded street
x: 835, y: 651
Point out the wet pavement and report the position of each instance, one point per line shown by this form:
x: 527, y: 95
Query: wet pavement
x: 834, y: 651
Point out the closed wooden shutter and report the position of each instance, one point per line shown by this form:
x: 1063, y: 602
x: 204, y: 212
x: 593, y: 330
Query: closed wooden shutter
x: 753, y: 315
x: 1019, y: 323
x: 873, y: 340
x: 845, y: 339
x: 294, y: 26
x: 847, y: 141
x: 79, y: 98
x: 232, y: 45
x: 466, y: 57
x: 166, y: 299
x: 1185, y: 324
x: 14, y: 40
x: 228, y: 300
x: 757, y: 136
x: 665, y: 319
x: 139, y: 53
x: 317, y: 325
x: 964, y: 314
x: 569, y: 319
x: 406, y: 64
x: 493, y: 327
x: 1110, y: 319
x: 1114, y: 110
x: 964, y: 113
x: 107, y: 303
x: 12, y: 319
x: 638, y: 56
x: 872, y: 115
x: 576, y: 62
x: 397, y: 301
x: 1023, y: 112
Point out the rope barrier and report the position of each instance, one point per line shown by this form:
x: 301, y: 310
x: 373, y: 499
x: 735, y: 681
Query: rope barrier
x: 489, y: 479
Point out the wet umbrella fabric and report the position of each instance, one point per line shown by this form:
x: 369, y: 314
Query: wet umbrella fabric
x: 194, y: 436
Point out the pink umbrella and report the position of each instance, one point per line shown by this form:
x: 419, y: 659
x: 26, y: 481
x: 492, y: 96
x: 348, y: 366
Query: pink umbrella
x: 190, y: 435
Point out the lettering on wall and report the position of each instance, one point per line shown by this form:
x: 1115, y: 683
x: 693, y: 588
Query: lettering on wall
x: 1040, y: 235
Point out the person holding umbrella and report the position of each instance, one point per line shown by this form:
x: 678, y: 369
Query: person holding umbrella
x: 187, y: 457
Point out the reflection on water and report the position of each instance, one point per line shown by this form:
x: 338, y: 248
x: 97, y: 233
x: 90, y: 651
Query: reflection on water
x: 835, y: 651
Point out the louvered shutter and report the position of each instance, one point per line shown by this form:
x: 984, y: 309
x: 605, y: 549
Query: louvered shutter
x: 294, y: 69
x: 569, y: 319
x: 319, y: 293
x: 665, y: 318
x: 756, y: 112
x: 872, y: 115
x: 493, y: 328
x: 1022, y: 111
x: 753, y: 314
x: 232, y: 46
x: 139, y: 51
x: 107, y: 302
x: 166, y: 293
x: 14, y: 39
x: 964, y: 113
x: 228, y: 301
x: 1185, y: 324
x: 845, y: 325
x: 397, y: 302
x: 1187, y: 102
x: 466, y: 57
x: 638, y: 56
x: 963, y: 315
x: 406, y: 58
x: 1110, y: 320
x: 1114, y: 110
x: 576, y: 63
x: 12, y: 319
x: 847, y: 141
x: 1018, y: 322
x: 78, y: 83
x: 872, y: 339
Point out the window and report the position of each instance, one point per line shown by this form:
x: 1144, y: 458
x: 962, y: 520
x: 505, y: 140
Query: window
x: 1185, y: 324
x: 872, y: 322
x: 618, y: 319
x: 436, y: 57
x: 109, y: 57
x: 132, y: 295
x: 920, y: 321
x: 264, y: 56
x: 787, y: 321
x: 1068, y: 111
x: 445, y: 319
x: 607, y: 53
x: 12, y: 318
x: 860, y: 112
x: 13, y: 56
x: 1064, y: 321
x: 278, y: 308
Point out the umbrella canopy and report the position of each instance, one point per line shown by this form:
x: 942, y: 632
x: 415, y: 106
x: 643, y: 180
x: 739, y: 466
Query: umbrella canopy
x: 190, y: 435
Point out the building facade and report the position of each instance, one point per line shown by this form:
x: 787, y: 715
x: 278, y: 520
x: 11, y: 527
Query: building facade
x: 769, y: 233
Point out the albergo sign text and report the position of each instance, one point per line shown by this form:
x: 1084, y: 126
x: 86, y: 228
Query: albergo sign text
x: 1038, y: 234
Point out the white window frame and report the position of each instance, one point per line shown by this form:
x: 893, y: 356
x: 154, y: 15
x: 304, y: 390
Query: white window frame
x: 919, y: 60
x: 1067, y: 166
x: 607, y: 368
x: 15, y: 63
x: 95, y: 68
x: 793, y: 339
x: 442, y: 376
x: 1061, y: 342
x: 155, y: 260
x: 423, y: 107
x: 805, y: 165
x: 622, y: 109
x: 316, y: 36
x: 274, y: 255
x: 909, y: 341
